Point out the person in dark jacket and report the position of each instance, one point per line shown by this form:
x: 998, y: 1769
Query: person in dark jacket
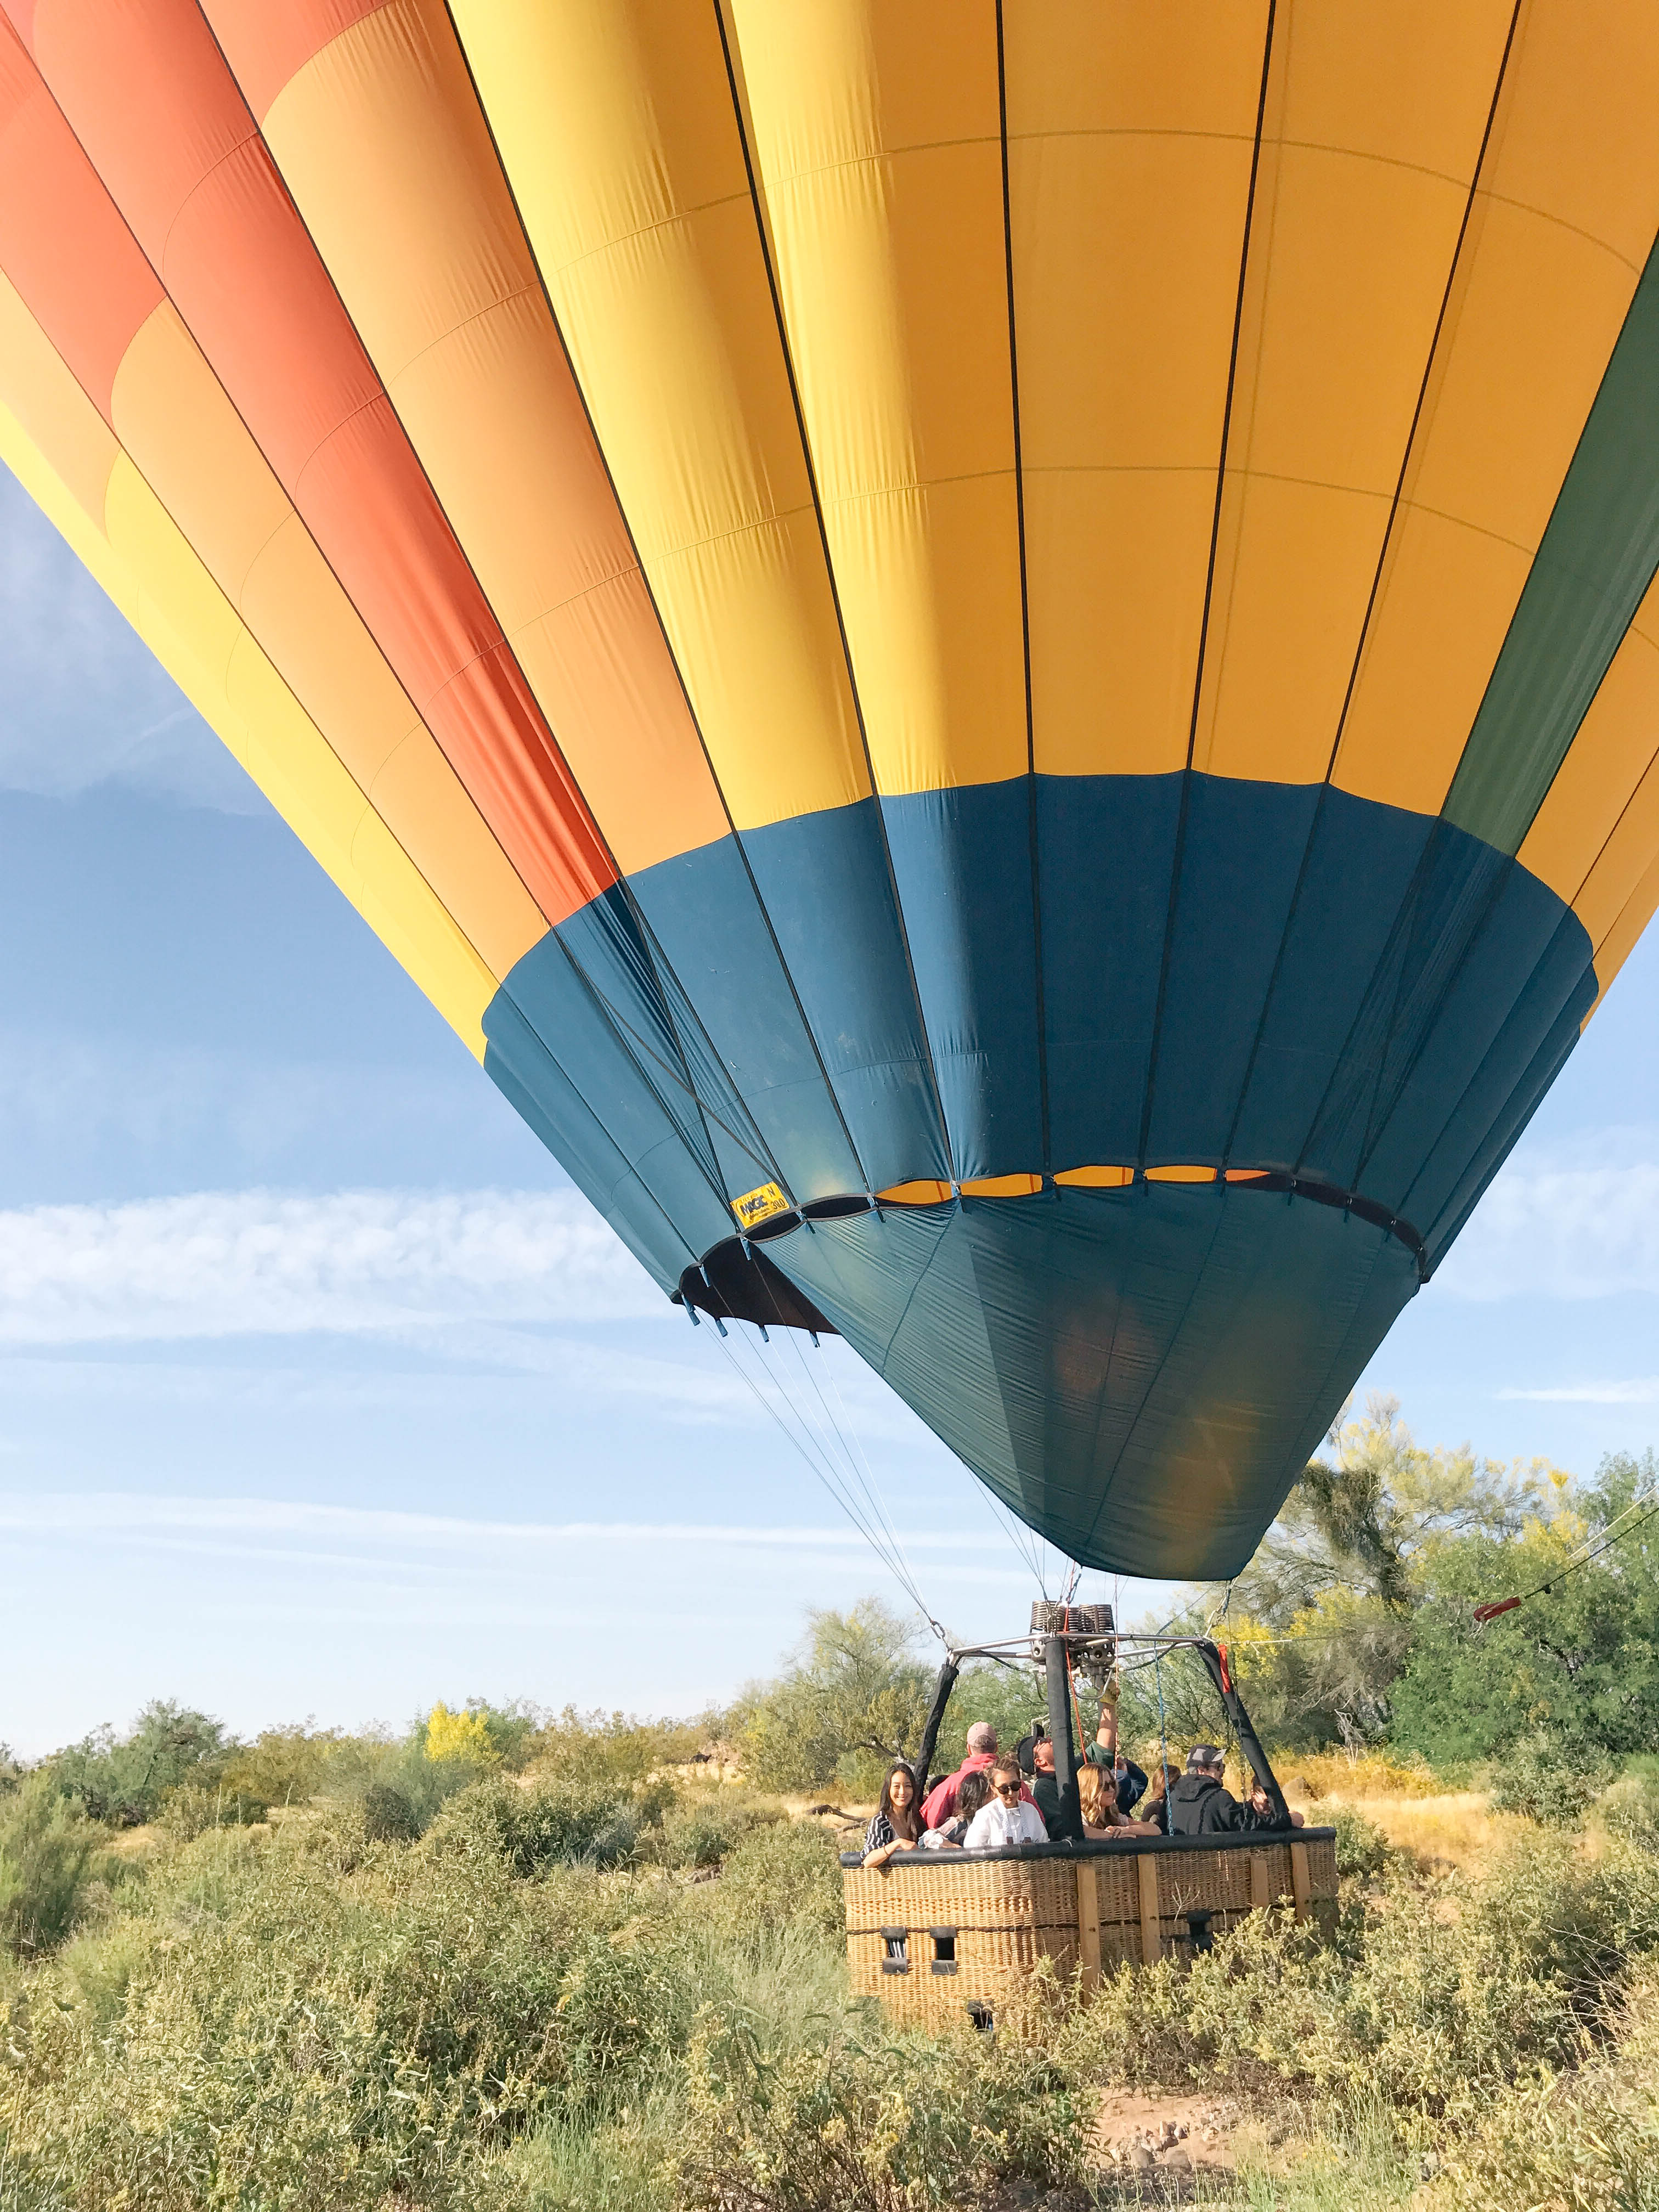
x: 1045, y: 1787
x: 1200, y: 1804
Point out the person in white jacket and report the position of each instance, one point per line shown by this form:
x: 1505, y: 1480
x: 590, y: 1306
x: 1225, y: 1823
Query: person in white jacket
x: 1006, y: 1819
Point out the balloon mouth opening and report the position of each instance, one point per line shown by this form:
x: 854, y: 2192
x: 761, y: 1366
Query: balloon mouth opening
x: 736, y: 1281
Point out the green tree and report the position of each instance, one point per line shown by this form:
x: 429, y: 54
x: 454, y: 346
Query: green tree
x: 1324, y: 1615
x: 1578, y: 1666
x: 853, y: 1699
x: 1369, y: 1517
x: 123, y: 1779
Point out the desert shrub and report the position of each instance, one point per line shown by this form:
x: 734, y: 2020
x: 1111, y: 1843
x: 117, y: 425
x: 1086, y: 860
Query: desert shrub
x: 867, y: 2125
x: 702, y: 1831
x: 123, y: 1779
x: 1629, y: 1807
x: 1364, y: 1774
x: 389, y: 1817
x: 1362, y: 1847
x: 787, y: 1875
x: 1431, y: 1999
x: 193, y: 1806
x: 291, y: 1765
x: 287, y: 2034
x: 47, y: 1850
x: 1549, y: 1781
x: 1583, y: 2141
x: 853, y: 1699
x: 464, y: 1734
x: 527, y: 1830
x: 615, y: 1746
x: 398, y: 1788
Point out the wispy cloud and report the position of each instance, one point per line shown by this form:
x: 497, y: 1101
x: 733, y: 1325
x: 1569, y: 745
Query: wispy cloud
x: 237, y: 1263
x: 121, y: 1512
x: 1560, y: 1233
x: 1638, y: 1390
x: 380, y: 1542
x: 84, y: 702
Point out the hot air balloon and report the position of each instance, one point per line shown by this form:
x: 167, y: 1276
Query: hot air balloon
x: 999, y: 660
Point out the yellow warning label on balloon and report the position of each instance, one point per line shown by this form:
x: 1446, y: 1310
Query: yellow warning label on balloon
x: 757, y: 1206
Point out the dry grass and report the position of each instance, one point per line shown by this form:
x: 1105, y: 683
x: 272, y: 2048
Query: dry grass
x: 1312, y: 1775
x: 1456, y: 1828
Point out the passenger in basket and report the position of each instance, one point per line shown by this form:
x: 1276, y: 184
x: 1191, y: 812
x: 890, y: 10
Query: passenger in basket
x: 894, y: 1826
x: 1154, y: 1806
x: 1201, y: 1805
x: 974, y: 1791
x: 941, y: 1800
x: 1045, y: 1789
x: 1102, y: 1816
x: 1131, y: 1779
x: 1009, y: 1818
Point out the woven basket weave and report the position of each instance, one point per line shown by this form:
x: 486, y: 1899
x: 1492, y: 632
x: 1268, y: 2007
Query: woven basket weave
x: 935, y: 1935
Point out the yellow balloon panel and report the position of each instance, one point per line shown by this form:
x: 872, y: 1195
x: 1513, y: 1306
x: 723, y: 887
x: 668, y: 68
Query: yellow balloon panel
x: 878, y: 137
x: 1129, y: 143
x: 1563, y: 218
x: 620, y: 137
x: 380, y: 140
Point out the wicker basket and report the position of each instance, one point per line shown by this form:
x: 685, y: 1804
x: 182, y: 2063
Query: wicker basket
x: 934, y: 1935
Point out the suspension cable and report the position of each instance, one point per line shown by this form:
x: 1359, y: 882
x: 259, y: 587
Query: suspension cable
x: 825, y: 1474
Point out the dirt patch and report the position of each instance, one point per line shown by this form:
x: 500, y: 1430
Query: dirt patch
x: 1182, y: 2131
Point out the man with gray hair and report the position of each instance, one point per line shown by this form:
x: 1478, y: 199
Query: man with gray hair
x: 940, y: 1803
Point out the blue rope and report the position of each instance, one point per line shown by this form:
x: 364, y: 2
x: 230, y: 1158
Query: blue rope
x: 1163, y: 1738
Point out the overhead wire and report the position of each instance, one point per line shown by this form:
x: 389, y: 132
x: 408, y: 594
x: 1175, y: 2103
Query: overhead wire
x: 1583, y: 1555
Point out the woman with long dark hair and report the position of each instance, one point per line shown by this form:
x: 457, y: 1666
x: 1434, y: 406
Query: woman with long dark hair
x: 895, y: 1825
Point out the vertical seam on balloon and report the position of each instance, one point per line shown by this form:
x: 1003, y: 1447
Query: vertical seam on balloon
x: 1406, y: 903
x: 656, y: 610
x: 1378, y: 1115
x: 1024, y: 608
x: 1337, y: 1360
x: 1168, y: 1354
x: 789, y: 357
x: 1248, y: 1076
x: 678, y: 1233
x: 587, y: 1109
x: 504, y: 647
x: 1023, y: 1509
x: 1567, y: 916
x: 1370, y: 602
x: 608, y: 1014
x: 1394, y: 504
x: 1457, y: 1221
x: 1600, y: 854
x: 1179, y: 854
x: 910, y: 1298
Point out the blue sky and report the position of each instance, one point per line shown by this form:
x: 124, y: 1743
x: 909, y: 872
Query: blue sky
x: 321, y: 1392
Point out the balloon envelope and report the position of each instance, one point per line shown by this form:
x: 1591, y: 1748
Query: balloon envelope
x: 999, y: 662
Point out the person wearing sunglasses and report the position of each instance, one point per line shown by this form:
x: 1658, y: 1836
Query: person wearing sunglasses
x: 1009, y: 1818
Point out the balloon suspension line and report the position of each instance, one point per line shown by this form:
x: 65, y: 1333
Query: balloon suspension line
x: 855, y: 1498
